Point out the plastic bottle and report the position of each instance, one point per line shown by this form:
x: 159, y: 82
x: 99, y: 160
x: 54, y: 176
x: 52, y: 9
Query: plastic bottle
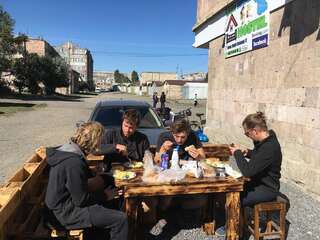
x: 175, y: 159
x: 164, y: 161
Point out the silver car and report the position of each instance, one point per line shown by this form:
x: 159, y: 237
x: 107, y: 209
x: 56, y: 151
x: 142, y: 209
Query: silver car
x: 109, y: 114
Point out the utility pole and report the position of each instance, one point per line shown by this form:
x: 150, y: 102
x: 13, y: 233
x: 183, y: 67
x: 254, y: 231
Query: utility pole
x: 177, y: 71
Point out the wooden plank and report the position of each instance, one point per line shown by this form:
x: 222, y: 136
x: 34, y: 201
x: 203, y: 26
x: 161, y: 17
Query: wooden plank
x: 131, y: 209
x: 10, y: 198
x: 232, y: 215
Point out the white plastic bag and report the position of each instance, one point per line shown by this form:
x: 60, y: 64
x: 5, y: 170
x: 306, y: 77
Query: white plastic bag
x: 170, y: 175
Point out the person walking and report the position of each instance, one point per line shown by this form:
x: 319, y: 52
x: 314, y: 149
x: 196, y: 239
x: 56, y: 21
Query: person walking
x: 162, y: 100
x: 155, y: 99
x: 195, y: 100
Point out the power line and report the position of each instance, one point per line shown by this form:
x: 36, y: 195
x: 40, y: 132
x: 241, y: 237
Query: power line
x: 148, y: 55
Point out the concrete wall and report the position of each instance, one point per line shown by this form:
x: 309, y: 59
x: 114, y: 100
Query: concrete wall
x: 206, y: 8
x: 156, y: 76
x: 190, y: 89
x: 172, y: 91
x: 283, y: 80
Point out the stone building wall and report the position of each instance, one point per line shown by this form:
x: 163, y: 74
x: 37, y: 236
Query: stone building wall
x: 208, y: 7
x: 282, y: 80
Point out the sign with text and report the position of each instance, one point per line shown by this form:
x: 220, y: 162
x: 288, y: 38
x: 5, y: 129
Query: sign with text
x: 247, y: 27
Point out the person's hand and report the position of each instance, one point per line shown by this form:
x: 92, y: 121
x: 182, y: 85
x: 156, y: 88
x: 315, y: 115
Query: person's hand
x: 122, y: 149
x: 166, y: 146
x: 193, y: 152
x: 235, y: 147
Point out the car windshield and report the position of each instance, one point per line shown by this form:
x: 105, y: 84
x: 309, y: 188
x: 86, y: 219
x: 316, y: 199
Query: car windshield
x: 111, y: 116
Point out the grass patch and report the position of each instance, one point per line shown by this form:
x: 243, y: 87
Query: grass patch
x: 7, y: 108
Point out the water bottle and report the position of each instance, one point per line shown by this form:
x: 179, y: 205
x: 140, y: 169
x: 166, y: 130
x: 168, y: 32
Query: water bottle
x: 175, y: 159
x: 164, y: 164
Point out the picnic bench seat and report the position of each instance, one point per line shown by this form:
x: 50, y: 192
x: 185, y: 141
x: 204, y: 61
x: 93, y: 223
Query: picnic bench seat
x: 274, y: 229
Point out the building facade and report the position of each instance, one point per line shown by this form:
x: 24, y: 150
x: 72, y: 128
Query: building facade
x: 80, y: 59
x: 193, y: 76
x: 149, y: 77
x: 103, y: 80
x: 281, y: 78
x: 40, y: 47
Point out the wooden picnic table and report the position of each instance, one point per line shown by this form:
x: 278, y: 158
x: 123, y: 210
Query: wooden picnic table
x: 135, y: 190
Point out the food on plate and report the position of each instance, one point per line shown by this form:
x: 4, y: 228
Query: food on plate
x: 123, y: 175
x: 137, y: 164
x: 189, y: 147
x: 212, y: 161
x: 133, y: 164
x: 216, y: 163
x: 208, y: 170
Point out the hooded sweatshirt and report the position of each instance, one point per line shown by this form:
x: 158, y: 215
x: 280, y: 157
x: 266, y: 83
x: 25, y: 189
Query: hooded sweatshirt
x: 265, y: 163
x: 67, y: 192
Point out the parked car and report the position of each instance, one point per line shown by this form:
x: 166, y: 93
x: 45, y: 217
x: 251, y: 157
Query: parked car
x: 109, y: 114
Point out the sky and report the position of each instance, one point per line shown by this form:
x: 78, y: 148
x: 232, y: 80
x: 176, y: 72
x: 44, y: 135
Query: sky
x: 141, y: 35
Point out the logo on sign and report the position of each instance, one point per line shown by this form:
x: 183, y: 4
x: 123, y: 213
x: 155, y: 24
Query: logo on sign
x: 260, y: 42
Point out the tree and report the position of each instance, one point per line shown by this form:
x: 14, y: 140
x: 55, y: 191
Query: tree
x: 53, y: 74
x: 7, y: 46
x: 117, y: 76
x: 27, y: 72
x: 134, y: 77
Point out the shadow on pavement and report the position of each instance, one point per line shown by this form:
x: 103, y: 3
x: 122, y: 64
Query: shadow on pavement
x: 56, y: 97
x: 12, y: 104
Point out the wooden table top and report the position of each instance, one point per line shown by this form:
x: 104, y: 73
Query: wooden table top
x: 188, y: 185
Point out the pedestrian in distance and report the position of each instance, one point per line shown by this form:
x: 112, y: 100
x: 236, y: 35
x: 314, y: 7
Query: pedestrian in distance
x: 155, y: 99
x: 195, y: 100
x: 163, y: 100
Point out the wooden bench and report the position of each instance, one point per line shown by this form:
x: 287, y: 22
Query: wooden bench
x: 274, y: 229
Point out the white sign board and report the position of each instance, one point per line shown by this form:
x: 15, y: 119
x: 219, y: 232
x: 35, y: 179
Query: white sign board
x: 247, y: 27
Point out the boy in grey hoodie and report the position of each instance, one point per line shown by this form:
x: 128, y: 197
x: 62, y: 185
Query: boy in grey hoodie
x: 68, y: 194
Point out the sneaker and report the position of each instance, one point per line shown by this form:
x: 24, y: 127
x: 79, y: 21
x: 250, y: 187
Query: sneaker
x: 157, y: 229
x: 221, y: 231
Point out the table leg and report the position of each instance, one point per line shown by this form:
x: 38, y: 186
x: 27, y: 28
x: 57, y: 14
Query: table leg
x: 232, y: 215
x: 131, y: 209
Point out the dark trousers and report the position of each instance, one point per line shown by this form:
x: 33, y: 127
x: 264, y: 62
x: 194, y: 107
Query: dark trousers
x: 154, y: 104
x: 114, y: 220
x: 254, y: 195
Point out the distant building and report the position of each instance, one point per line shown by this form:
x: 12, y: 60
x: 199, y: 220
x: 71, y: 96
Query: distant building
x: 181, y: 89
x: 149, y: 77
x: 40, y: 47
x: 103, y: 80
x: 194, y: 76
x: 80, y: 59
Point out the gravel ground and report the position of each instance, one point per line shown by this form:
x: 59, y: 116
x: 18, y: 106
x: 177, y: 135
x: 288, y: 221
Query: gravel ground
x: 23, y: 132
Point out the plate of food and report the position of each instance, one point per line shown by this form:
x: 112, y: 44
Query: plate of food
x: 123, y: 175
x: 133, y: 164
x: 213, y: 162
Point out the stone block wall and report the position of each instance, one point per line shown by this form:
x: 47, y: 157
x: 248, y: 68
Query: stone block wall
x: 282, y: 80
